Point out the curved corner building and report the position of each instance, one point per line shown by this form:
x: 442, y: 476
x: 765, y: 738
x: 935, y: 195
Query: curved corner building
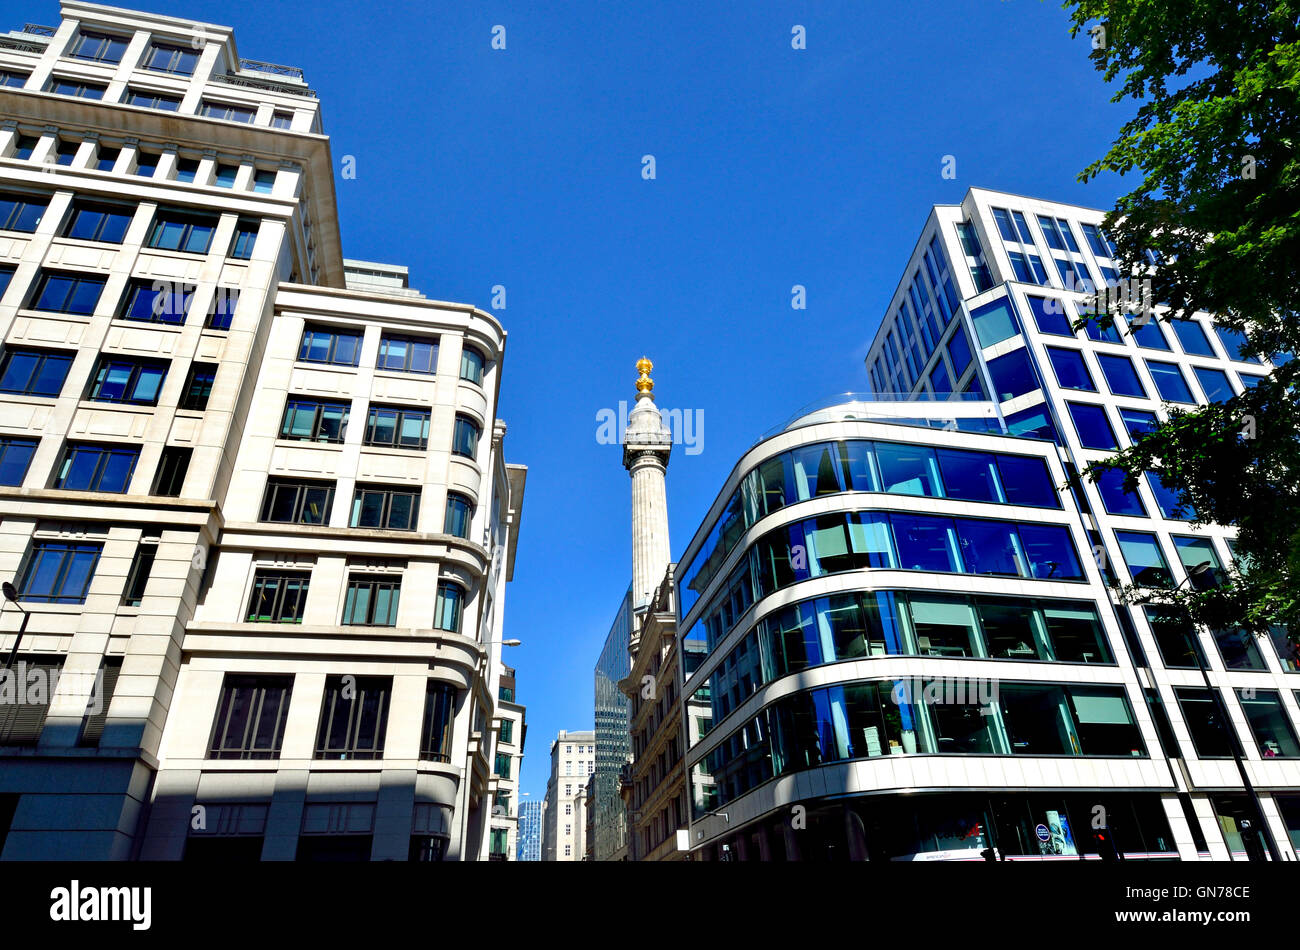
x: 911, y: 651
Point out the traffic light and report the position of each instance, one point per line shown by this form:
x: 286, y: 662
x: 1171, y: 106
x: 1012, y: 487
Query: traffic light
x: 1105, y: 847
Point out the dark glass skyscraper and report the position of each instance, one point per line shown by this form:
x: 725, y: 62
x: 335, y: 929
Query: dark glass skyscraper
x: 612, y: 747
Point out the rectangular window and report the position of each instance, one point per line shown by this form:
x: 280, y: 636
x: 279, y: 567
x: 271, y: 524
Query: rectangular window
x: 371, y: 601
x: 118, y: 379
x: 325, y: 345
x: 58, y: 572
x: 77, y: 88
x: 1170, y: 382
x: 439, y: 721
x: 92, y: 724
x: 354, y: 717
x: 1269, y: 724
x: 1013, y: 374
x: 398, y: 428
x: 152, y: 100
x: 25, y: 145
x: 245, y: 238
x: 21, y: 213
x: 65, y: 151
x: 252, y: 713
x: 187, y: 170
x: 293, y: 502
x: 163, y: 58
x: 156, y: 301
x: 1025, y: 481
x: 76, y: 294
x: 377, y: 507
x: 278, y: 596
x: 1214, y: 383
x: 1098, y: 241
x: 471, y: 365
x: 1051, y: 233
x: 465, y: 437
x: 313, y: 420
x: 408, y: 355
x: 98, y: 47
x: 227, y: 111
x: 177, y: 231
x: 15, y: 457
x: 959, y: 352
x: 1121, y: 378
x: 1049, y: 315
x: 447, y: 609
x: 508, y: 731
x: 1138, y: 422
x: 91, y: 467
x: 90, y: 221
x: 198, y: 387
x: 460, y: 511
x: 1239, y: 650
x: 1148, y: 334
x: 1070, y: 368
x: 222, y: 309
x: 1171, y: 502
x: 137, y: 577
x: 995, y: 322
x: 281, y: 120
x: 1115, y: 499
x: 908, y: 469
x: 1200, y: 553
x: 1146, y: 562
x: 1093, y: 425
x: 34, y: 372
x: 172, y: 467
x: 12, y: 79
x: 226, y: 175
x: 1207, y: 721
x: 1234, y: 344
x: 1192, y: 337
x: 146, y: 163
x: 21, y: 722
x: 263, y: 181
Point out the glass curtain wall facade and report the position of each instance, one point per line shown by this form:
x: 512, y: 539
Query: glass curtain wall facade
x: 868, y: 589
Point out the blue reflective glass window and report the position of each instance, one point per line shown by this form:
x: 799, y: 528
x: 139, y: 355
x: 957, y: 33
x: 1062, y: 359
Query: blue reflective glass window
x: 1097, y: 241
x: 1138, y: 422
x: 1022, y: 228
x: 989, y: 547
x: 817, y: 470
x: 1003, y: 220
x: 908, y: 469
x: 1121, y: 378
x: 1234, y: 342
x: 1250, y: 380
x: 1148, y: 334
x: 1025, y: 481
x: 1146, y: 562
x: 1013, y: 374
x: 15, y: 456
x: 959, y: 352
x: 1093, y: 426
x: 1192, y: 337
x: 1074, y: 275
x: 1115, y: 499
x: 939, y: 381
x: 58, y: 573
x: 995, y: 322
x: 1169, y: 381
x: 861, y: 465
x: 33, y: 372
x: 1051, y: 233
x: 1050, y: 552
x: 1071, y: 371
x: 925, y: 543
x: 97, y: 468
x: 1214, y: 383
x: 971, y: 476
x: 1095, y: 331
x: 1032, y: 423
x: 68, y: 293
x: 1020, y: 267
x: 1168, y: 500
x: 1049, y: 315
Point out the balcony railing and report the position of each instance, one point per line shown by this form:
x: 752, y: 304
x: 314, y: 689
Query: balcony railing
x: 258, y: 66
x: 37, y: 29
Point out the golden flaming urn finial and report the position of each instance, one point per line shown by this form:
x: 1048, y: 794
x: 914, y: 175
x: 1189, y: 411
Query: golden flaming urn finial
x: 644, y: 383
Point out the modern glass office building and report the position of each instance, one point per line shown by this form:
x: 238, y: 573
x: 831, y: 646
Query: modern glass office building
x: 911, y: 649
x: 613, y: 746
x: 529, y: 841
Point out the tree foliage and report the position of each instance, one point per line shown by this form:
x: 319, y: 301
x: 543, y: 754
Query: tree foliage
x: 1212, y: 145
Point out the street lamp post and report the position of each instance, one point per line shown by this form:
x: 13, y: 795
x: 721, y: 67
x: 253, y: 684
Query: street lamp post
x: 1198, y: 571
x: 11, y: 596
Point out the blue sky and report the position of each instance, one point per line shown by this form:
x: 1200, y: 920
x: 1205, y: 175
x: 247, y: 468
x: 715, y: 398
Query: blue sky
x: 774, y: 167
